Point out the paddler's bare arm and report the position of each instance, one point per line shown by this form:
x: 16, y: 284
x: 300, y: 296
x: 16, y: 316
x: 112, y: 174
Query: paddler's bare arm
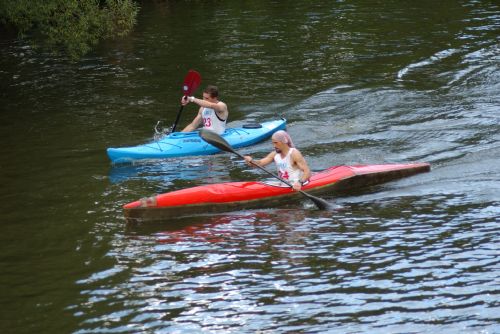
x: 262, y: 162
x: 299, y: 161
x: 194, y: 124
x: 219, y: 106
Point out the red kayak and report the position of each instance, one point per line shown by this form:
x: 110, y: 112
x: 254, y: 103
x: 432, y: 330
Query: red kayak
x: 232, y: 196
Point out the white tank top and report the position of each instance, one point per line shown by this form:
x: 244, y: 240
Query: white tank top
x: 285, y: 169
x: 211, y: 121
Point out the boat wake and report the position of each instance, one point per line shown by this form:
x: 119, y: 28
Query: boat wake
x: 439, y: 56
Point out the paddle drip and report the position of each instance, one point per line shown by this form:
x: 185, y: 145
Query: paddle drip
x: 161, y: 132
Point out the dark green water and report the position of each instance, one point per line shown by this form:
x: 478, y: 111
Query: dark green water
x: 360, y: 82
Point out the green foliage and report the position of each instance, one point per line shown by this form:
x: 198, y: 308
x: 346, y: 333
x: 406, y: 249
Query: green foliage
x: 70, y: 26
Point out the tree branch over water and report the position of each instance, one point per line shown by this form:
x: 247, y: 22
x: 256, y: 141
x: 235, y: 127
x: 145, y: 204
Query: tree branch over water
x: 71, y: 27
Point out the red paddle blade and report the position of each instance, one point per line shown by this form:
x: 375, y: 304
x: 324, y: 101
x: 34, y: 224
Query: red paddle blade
x: 191, y: 82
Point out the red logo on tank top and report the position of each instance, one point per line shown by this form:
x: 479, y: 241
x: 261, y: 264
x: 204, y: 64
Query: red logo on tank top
x: 207, y: 122
x: 283, y: 175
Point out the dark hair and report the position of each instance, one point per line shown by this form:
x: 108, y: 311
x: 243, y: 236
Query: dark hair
x: 213, y: 91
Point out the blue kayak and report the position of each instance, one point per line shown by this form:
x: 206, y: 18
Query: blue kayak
x: 178, y: 144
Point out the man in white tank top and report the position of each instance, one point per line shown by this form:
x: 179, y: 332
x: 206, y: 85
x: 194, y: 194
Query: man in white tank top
x: 212, y: 114
x: 289, y: 161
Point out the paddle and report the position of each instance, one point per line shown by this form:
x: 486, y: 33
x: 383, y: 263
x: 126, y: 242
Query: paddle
x: 219, y: 142
x: 191, y: 82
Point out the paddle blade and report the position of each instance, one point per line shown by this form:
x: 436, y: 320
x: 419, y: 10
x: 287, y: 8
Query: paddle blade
x: 216, y: 140
x: 191, y: 82
x: 320, y: 203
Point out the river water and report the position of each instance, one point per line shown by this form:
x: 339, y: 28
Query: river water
x: 363, y: 82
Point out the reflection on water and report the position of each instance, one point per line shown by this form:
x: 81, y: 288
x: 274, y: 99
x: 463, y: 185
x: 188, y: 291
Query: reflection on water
x: 166, y: 171
x: 209, y: 228
x: 408, y: 266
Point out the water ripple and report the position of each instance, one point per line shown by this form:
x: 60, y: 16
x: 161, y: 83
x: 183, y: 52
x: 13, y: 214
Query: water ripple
x: 253, y: 271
